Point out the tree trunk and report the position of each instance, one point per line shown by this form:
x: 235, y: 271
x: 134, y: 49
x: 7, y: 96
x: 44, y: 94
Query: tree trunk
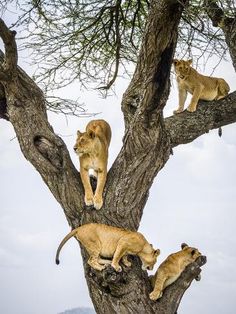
x: 147, y: 144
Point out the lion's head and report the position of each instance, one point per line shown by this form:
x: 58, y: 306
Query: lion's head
x: 182, y: 67
x: 85, y: 143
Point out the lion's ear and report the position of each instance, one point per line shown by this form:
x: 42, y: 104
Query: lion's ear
x: 157, y: 252
x: 184, y: 245
x: 79, y: 133
x: 193, y: 252
x: 175, y: 61
x: 190, y: 61
x: 91, y: 134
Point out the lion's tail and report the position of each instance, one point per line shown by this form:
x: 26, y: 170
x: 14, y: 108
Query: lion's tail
x: 67, y: 237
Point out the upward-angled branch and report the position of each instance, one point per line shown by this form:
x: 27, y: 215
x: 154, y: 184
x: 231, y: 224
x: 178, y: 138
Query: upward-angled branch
x: 10, y: 66
x: 149, y: 87
x: 145, y: 130
x: 46, y: 151
x: 227, y: 24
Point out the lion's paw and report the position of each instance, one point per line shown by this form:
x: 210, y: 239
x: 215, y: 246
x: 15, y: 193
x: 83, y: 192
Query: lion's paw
x: 97, y: 202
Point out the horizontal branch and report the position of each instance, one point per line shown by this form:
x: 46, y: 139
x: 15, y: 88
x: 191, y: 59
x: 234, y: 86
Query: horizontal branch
x: 186, y: 127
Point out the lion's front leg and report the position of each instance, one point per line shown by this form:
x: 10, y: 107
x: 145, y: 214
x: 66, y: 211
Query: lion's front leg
x: 101, y: 180
x: 88, y: 197
x: 182, y: 98
x: 158, y: 286
x: 119, y: 253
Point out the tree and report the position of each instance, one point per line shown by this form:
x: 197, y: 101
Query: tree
x: 133, y: 172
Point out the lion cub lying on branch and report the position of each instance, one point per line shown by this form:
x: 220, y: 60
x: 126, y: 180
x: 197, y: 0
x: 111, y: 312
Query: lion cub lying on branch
x: 92, y: 148
x: 111, y: 242
x: 170, y: 270
x: 200, y: 86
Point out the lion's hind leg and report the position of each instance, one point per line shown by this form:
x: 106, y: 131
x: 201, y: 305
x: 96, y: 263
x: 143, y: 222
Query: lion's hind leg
x: 104, y: 261
x: 94, y: 257
x: 223, y: 89
x: 93, y: 262
x: 195, y: 97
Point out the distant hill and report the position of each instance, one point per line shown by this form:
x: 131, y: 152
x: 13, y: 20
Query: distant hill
x: 79, y: 310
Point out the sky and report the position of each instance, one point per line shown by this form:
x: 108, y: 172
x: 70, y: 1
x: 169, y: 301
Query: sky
x: 192, y: 200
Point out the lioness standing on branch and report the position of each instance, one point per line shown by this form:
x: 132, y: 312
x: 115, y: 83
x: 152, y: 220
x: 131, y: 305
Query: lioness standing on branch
x: 103, y: 241
x: 92, y: 148
x: 170, y: 270
x: 200, y: 86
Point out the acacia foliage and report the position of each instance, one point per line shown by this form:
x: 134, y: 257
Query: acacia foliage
x: 96, y: 41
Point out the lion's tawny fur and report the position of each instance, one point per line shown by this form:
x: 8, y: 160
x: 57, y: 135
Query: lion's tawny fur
x: 170, y: 270
x: 92, y: 148
x: 200, y: 86
x: 103, y: 241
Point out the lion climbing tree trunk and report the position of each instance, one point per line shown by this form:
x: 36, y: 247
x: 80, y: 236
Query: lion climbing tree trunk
x: 147, y: 145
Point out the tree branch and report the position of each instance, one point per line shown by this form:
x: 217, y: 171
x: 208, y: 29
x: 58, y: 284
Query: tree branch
x: 3, y: 102
x: 149, y: 87
x: 26, y: 110
x: 215, y: 13
x: 133, y: 282
x: 186, y: 127
x: 11, y: 57
x: 174, y: 293
x: 134, y: 170
x: 227, y: 24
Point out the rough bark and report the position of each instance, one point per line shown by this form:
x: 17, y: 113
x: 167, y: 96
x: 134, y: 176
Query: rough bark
x: 147, y: 144
x: 114, y: 285
x: 151, y: 76
x: 227, y: 24
x: 186, y: 127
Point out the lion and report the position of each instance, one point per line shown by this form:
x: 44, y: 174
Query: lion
x: 200, y: 86
x: 92, y: 148
x: 170, y: 270
x: 103, y: 242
